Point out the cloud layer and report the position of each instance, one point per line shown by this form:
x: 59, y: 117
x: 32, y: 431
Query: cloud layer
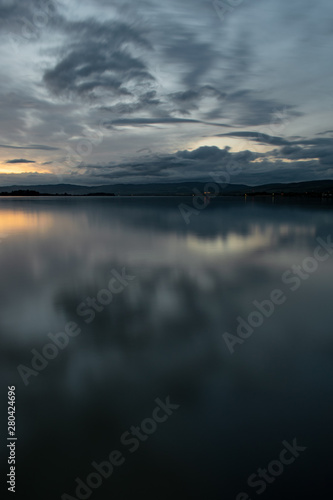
x: 88, y: 86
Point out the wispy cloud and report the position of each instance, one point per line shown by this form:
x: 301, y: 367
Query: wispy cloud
x: 22, y: 160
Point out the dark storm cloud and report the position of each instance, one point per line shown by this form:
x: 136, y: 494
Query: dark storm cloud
x: 189, y: 100
x: 203, y: 163
x: 140, y: 122
x: 147, y: 101
x: 162, y: 109
x: 196, y: 63
x: 298, y: 149
x: 182, y: 165
x: 321, y: 148
x: 197, y: 57
x: 22, y: 160
x: 326, y: 132
x: 99, y: 61
x: 280, y: 141
x: 114, y: 33
x: 258, y: 137
x: 196, y: 94
x: 99, y: 58
x: 252, y: 109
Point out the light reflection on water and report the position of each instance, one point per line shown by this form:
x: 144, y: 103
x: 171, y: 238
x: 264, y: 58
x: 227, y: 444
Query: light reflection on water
x: 163, y: 336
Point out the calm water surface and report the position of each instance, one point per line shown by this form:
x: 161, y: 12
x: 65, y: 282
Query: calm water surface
x: 162, y: 336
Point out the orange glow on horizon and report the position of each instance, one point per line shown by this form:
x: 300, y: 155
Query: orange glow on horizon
x: 21, y: 168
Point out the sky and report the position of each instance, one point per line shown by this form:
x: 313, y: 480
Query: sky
x: 99, y: 92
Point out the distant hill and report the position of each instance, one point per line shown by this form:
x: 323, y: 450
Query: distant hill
x: 309, y: 187
x: 165, y: 189
x: 183, y: 188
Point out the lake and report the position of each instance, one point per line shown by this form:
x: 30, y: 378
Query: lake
x: 154, y: 358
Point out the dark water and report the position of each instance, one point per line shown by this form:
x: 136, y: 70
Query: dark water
x: 161, y: 336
